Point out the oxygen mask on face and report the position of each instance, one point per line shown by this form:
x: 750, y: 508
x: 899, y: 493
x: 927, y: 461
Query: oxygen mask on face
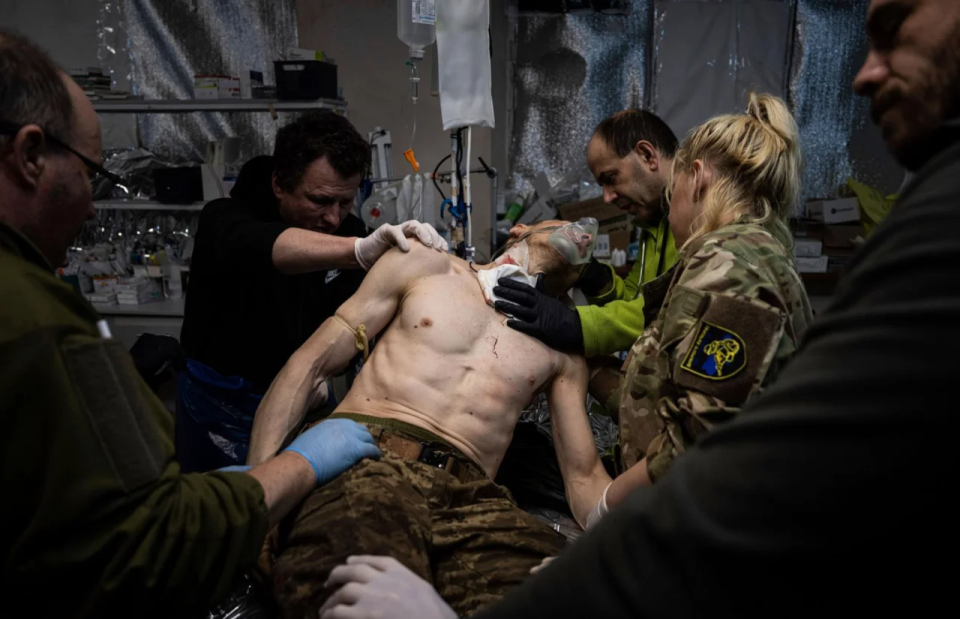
x: 575, y: 241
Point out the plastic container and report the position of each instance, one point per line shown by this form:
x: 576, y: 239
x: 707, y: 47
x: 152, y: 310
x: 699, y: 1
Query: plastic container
x: 305, y: 80
x: 416, y: 24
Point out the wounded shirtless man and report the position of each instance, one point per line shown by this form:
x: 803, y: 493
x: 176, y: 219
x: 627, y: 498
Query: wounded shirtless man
x: 441, y: 394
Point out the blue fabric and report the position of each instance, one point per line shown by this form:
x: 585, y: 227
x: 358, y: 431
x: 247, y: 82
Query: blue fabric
x: 214, y: 418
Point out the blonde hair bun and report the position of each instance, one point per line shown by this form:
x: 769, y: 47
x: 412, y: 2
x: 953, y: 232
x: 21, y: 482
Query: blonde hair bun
x: 756, y: 162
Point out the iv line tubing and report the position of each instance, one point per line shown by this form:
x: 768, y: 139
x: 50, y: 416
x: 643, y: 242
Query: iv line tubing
x: 414, y: 134
x: 466, y: 189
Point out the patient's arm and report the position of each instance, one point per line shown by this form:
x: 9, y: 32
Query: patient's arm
x: 297, y: 387
x: 584, y: 477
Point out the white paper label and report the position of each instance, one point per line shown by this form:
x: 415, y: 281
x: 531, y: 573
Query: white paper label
x: 602, y: 248
x: 424, y: 12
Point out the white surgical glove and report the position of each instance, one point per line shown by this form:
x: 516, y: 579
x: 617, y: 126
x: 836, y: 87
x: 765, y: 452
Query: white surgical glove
x: 369, y: 250
x: 381, y: 588
x: 543, y: 564
x: 600, y: 509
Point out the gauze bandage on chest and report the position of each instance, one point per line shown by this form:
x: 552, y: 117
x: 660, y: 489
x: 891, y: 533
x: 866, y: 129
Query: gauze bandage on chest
x: 512, y: 265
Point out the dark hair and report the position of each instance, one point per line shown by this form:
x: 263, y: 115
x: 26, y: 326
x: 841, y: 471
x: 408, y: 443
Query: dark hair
x: 32, y: 89
x: 623, y: 130
x: 316, y: 135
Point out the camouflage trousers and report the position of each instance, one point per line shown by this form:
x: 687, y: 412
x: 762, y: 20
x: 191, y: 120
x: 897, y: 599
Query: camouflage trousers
x: 468, y: 538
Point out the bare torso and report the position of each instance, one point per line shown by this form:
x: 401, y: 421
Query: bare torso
x: 448, y: 363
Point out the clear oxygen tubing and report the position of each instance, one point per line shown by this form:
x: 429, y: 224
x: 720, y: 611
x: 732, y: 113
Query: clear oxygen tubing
x: 468, y: 199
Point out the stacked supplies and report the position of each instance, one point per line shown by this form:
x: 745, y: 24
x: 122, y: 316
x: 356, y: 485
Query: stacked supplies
x: 95, y: 84
x: 137, y: 290
x: 104, y: 298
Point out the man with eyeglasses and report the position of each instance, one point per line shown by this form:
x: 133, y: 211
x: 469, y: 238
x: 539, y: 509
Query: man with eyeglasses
x: 96, y: 517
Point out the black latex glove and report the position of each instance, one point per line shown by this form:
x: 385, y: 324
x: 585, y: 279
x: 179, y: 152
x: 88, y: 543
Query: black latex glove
x: 594, y: 278
x: 540, y: 316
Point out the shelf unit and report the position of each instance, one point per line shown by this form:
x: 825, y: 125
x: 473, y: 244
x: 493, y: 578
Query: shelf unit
x: 164, y: 308
x: 145, y: 205
x: 170, y: 106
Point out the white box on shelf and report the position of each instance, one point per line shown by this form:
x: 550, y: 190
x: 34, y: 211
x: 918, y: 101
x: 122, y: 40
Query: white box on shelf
x: 807, y: 248
x: 104, y: 284
x: 297, y: 53
x: 602, y: 248
x: 812, y: 265
x: 834, y: 211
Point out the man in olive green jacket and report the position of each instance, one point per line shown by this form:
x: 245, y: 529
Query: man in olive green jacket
x: 630, y: 155
x: 97, y: 519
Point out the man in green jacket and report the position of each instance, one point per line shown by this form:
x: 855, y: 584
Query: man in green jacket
x: 97, y: 519
x: 630, y: 155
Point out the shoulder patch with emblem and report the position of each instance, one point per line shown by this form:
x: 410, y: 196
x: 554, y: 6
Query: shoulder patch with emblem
x: 731, y: 348
x: 716, y: 354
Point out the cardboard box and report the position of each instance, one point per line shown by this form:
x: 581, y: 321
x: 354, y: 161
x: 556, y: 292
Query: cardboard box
x: 813, y: 265
x: 602, y: 248
x: 619, y: 240
x: 616, y: 224
x: 807, y: 248
x: 610, y: 218
x: 834, y: 211
x: 842, y: 236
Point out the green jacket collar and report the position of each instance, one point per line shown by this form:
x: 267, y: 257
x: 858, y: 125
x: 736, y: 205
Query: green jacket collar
x: 19, y: 245
x: 657, y: 229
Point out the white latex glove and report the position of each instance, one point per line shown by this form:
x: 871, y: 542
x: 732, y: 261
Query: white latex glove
x: 381, y: 588
x: 600, y: 509
x: 370, y: 249
x: 543, y: 564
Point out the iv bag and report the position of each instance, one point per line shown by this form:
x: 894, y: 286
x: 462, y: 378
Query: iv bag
x: 463, y: 49
x: 416, y: 20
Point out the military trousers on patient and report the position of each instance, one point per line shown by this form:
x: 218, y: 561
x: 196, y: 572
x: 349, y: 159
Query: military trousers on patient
x: 468, y: 538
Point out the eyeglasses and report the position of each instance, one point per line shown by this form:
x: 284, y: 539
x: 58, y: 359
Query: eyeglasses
x: 97, y: 172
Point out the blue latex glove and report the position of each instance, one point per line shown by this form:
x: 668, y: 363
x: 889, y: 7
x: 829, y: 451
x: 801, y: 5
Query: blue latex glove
x: 333, y: 446
x: 236, y: 468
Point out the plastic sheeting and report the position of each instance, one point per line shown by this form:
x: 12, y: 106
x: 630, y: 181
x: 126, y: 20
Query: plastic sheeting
x: 740, y: 46
x: 169, y: 41
x: 572, y: 71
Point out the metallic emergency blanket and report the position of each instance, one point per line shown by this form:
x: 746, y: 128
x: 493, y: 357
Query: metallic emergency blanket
x: 838, y: 137
x: 573, y: 70
x: 170, y: 41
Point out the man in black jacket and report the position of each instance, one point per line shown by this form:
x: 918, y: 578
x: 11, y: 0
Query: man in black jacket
x: 270, y: 264
x: 829, y: 495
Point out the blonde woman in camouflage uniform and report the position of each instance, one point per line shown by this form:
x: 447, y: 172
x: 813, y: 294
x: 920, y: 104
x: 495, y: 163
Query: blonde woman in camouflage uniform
x: 733, y: 309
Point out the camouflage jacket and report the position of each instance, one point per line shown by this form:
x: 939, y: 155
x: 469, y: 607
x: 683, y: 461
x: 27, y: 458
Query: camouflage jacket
x: 731, y: 314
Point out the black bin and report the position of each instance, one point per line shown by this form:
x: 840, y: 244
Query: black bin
x: 178, y: 185
x: 305, y: 80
